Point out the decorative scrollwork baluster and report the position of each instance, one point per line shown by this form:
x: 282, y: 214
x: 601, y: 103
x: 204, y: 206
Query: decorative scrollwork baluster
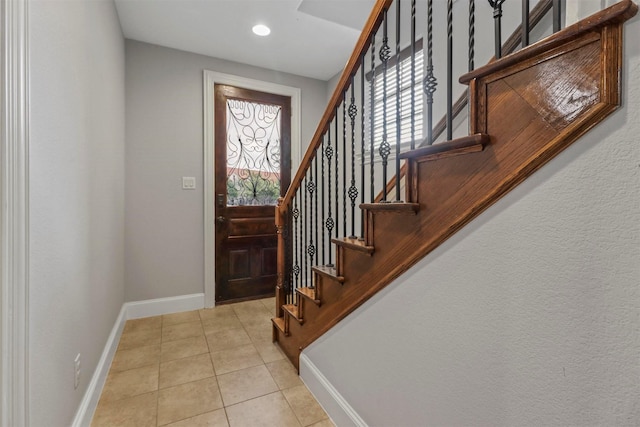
x: 329, y: 222
x: 353, y: 190
x: 322, y: 217
x: 344, y: 162
x: 372, y: 88
x: 317, y: 189
x: 385, y: 147
x: 430, y: 82
x: 311, y: 248
x: 305, y: 221
x: 296, y: 242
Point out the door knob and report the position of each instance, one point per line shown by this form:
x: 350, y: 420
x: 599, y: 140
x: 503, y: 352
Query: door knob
x: 221, y: 219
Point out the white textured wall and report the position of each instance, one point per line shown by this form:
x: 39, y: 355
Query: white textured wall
x: 76, y: 197
x: 529, y: 316
x: 164, y: 224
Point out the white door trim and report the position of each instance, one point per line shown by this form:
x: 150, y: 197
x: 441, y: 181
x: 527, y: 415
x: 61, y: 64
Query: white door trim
x: 14, y: 231
x: 210, y: 79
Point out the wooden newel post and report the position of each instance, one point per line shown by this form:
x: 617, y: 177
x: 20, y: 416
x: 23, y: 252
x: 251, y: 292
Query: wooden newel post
x: 280, y: 291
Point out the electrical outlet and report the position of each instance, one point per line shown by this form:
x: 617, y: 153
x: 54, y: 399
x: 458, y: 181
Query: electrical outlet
x: 76, y: 371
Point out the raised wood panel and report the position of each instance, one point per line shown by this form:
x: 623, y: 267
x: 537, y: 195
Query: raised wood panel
x: 252, y: 226
x: 251, y: 264
x: 239, y: 264
x: 560, y: 101
x: 269, y: 257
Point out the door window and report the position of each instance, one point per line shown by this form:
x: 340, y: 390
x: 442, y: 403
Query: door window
x: 253, y: 153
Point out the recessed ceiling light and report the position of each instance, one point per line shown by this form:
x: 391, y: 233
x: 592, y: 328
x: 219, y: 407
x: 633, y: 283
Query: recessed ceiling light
x: 261, y: 30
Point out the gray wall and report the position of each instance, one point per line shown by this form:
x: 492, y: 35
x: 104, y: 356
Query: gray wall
x: 76, y: 197
x: 164, y: 104
x: 528, y: 316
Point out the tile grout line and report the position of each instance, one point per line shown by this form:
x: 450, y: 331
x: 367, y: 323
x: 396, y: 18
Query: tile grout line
x: 273, y: 378
x: 215, y: 375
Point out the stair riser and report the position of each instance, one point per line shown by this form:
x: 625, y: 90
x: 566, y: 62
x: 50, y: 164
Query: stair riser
x: 310, y: 309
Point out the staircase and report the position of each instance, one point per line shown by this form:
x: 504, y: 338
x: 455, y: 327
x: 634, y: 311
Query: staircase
x: 525, y: 108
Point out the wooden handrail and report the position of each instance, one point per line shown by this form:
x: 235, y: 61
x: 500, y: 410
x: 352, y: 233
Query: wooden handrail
x: 370, y: 27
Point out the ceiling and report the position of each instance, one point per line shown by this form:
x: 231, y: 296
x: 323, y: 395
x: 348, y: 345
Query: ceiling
x: 311, y: 38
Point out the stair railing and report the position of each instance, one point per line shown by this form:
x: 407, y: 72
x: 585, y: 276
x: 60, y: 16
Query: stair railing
x: 383, y: 105
x: 519, y: 38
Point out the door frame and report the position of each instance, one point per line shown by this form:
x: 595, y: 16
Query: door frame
x: 210, y: 79
x: 14, y: 215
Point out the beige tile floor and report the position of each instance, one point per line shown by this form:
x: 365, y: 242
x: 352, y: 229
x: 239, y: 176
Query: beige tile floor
x: 211, y: 367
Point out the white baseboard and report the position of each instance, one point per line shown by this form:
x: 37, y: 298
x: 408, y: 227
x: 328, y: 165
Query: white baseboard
x: 156, y: 307
x: 89, y: 402
x: 129, y: 310
x: 338, y: 409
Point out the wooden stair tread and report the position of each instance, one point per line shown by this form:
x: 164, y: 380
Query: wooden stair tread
x: 292, y: 310
x: 355, y: 244
x: 393, y: 207
x: 309, y: 293
x: 455, y: 147
x: 329, y: 272
x: 279, y: 322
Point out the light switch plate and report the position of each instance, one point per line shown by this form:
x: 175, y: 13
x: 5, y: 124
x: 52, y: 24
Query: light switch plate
x: 188, y: 182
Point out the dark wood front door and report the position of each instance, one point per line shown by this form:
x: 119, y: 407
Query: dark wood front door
x: 252, y: 169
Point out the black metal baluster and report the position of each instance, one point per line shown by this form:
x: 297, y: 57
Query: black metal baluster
x: 323, y: 192
x: 449, y: 70
x: 337, y: 174
x: 329, y: 223
x: 385, y: 147
x: 344, y: 162
x: 362, y: 144
x: 353, y: 190
x: 398, y: 123
x: 372, y: 116
x: 318, y: 181
x: 497, y: 17
x: 430, y: 82
x: 413, y: 74
x: 311, y: 249
x: 472, y: 33
x: 305, y: 220
x: 296, y: 242
x: 557, y: 15
x: 525, y: 23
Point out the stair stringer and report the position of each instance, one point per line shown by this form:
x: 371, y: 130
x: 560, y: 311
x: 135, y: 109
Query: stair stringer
x: 533, y: 104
